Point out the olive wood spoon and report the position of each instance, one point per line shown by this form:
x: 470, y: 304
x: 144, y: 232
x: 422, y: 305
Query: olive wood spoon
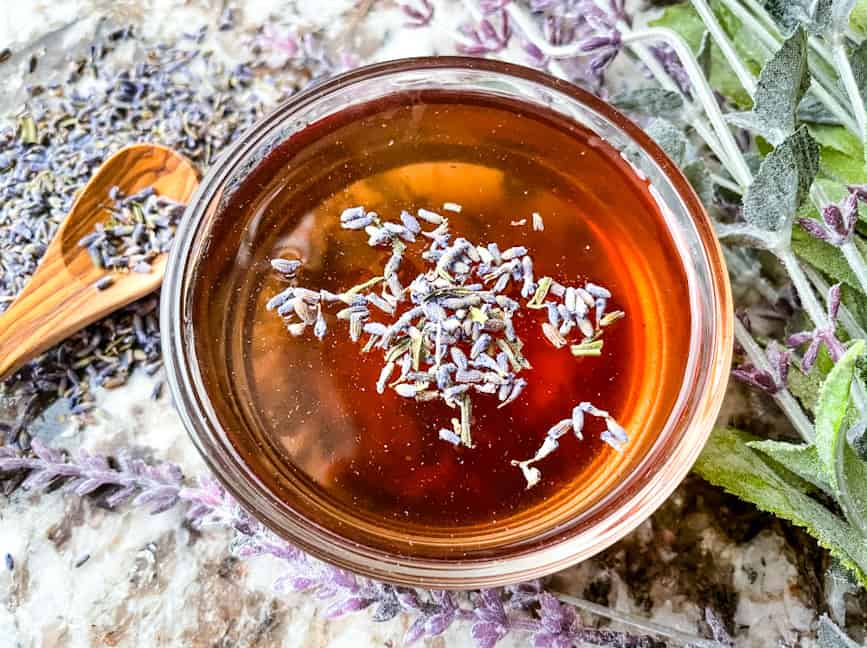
x: 60, y: 298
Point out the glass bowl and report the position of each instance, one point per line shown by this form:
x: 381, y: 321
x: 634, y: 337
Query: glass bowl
x: 624, y: 497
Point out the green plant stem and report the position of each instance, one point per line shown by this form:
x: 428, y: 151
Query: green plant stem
x: 847, y: 76
x: 639, y: 622
x: 699, y: 124
x: 850, y: 324
x: 803, y: 288
x: 528, y: 27
x: 768, y: 24
x: 788, y: 403
x: 856, y: 261
x: 746, y: 78
x: 703, y: 93
x: 725, y: 183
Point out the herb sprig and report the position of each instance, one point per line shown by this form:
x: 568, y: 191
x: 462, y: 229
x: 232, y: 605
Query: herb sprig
x: 762, y: 105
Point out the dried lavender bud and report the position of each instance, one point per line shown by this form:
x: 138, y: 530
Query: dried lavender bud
x: 285, y: 266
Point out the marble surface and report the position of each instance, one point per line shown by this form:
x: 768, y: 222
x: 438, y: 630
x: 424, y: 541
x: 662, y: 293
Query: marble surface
x: 87, y: 576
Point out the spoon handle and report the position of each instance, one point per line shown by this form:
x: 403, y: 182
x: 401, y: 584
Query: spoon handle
x: 60, y: 299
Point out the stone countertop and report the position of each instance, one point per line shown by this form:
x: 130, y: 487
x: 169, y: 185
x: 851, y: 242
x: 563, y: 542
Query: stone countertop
x: 84, y: 575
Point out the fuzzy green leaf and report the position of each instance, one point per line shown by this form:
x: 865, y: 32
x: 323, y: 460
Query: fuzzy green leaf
x: 815, y: 17
x: 655, y: 102
x: 837, y: 138
x: 781, y: 86
x: 670, y: 138
x: 699, y: 177
x: 727, y: 461
x: 803, y: 460
x: 782, y: 183
x: 805, y: 387
x: 858, y: 17
x: 842, y: 154
x: 830, y: 636
x: 858, y: 61
x: 831, y: 410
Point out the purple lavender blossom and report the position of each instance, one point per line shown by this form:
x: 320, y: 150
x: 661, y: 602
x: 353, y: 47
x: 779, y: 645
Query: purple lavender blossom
x: 491, y: 622
x: 484, y: 37
x: 673, y: 67
x: 419, y: 13
x: 586, y: 23
x: 838, y: 222
x: 493, y: 613
x: 824, y: 335
x: 558, y: 625
x: 771, y: 382
x: 156, y: 487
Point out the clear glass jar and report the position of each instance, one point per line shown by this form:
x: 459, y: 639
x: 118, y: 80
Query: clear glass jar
x: 625, y: 499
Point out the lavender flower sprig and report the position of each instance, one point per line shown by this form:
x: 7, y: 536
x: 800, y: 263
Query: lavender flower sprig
x: 493, y: 614
x: 821, y: 335
x: 419, y: 13
x: 838, y: 222
x: 156, y: 487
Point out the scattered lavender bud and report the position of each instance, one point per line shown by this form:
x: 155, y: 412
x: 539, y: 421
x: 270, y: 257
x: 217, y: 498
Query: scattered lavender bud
x: 104, y: 282
x: 430, y: 217
x: 447, y: 435
x: 285, y: 266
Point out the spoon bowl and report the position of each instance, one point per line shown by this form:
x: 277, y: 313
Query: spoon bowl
x: 60, y: 298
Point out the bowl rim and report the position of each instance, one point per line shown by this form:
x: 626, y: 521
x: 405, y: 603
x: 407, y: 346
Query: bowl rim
x: 192, y: 403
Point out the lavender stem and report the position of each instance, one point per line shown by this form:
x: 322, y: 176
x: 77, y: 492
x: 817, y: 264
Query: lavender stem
x: 850, y: 324
x: 790, y: 406
x: 635, y: 621
x: 703, y: 92
x: 746, y: 78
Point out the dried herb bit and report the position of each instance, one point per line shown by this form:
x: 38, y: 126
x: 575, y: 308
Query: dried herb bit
x: 140, y: 228
x: 448, y: 333
x: 538, y: 223
x: 614, y: 435
x: 286, y: 267
x: 27, y: 131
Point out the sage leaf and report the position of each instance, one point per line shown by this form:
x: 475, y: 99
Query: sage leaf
x: 782, y: 183
x: 655, y: 102
x: 727, y: 461
x: 830, y: 636
x: 670, y: 138
x: 704, y: 56
x: 831, y: 410
x: 858, y: 61
x: 803, y: 460
x: 814, y: 111
x: 699, y: 177
x: 782, y: 84
x: 814, y: 16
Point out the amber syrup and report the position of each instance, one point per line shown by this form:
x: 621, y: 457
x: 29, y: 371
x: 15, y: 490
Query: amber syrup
x: 305, y: 415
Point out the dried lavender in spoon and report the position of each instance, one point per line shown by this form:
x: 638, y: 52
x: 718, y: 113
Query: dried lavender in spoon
x: 123, y: 89
x: 140, y: 227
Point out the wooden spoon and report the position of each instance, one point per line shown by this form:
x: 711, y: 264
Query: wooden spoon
x: 61, y: 298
